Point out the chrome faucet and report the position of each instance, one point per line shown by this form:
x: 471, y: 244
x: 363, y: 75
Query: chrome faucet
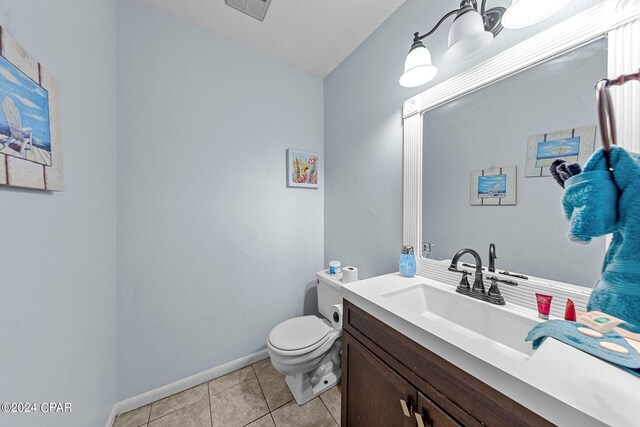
x: 492, y: 257
x: 477, y: 291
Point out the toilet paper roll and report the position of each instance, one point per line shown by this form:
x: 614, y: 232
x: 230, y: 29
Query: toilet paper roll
x: 349, y: 274
x: 336, y: 316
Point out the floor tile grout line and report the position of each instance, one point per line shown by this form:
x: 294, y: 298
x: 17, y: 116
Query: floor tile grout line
x: 229, y: 388
x: 264, y: 396
x: 284, y: 404
x: 175, y: 394
x: 325, y: 405
x: 173, y: 412
x: 233, y: 386
x: 209, y: 399
x: 259, y: 418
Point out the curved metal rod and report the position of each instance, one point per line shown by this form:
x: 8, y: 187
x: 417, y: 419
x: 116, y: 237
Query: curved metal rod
x: 624, y: 78
x: 606, y: 115
x: 605, y: 107
x: 417, y: 37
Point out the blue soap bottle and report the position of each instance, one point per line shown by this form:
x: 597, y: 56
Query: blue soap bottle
x: 407, y: 262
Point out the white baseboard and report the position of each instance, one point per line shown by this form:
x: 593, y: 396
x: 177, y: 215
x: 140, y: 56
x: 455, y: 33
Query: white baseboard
x: 112, y: 416
x: 185, y: 383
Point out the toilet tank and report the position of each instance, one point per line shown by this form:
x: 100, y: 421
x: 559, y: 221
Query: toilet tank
x: 329, y: 286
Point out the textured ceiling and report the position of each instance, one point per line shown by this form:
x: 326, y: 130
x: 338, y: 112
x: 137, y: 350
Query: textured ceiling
x: 313, y: 35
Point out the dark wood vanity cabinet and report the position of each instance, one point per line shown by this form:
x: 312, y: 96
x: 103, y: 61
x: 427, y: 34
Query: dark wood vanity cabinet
x: 388, y: 380
x: 377, y: 396
x: 375, y: 391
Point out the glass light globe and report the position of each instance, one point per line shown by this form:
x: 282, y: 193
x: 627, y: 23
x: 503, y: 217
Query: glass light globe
x: 467, y: 37
x: 523, y: 13
x: 418, y: 69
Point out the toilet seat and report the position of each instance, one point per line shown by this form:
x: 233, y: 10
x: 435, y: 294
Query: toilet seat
x: 299, y: 335
x: 306, y: 359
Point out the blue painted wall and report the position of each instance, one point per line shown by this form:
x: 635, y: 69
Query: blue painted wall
x: 57, y: 269
x: 213, y: 248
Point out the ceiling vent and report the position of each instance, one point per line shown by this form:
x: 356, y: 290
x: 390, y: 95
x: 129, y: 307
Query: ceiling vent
x: 254, y: 8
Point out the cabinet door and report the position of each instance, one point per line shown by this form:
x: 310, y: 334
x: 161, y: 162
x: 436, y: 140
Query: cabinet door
x: 428, y: 414
x: 373, y: 394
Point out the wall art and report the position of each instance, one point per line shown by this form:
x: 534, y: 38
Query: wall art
x: 302, y: 169
x: 30, y: 152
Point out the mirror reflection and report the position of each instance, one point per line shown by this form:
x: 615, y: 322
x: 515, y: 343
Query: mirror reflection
x: 485, y: 168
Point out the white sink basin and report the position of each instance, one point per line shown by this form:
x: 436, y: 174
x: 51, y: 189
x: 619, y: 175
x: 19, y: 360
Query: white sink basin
x: 502, y: 326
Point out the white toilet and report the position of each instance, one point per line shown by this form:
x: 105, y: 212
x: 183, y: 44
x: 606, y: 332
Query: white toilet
x: 307, y: 349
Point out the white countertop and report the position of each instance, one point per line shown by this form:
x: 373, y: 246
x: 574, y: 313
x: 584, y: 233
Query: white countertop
x: 557, y: 381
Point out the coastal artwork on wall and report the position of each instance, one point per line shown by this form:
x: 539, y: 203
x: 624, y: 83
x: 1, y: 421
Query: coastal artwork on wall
x: 302, y: 169
x: 493, y: 187
x: 572, y: 145
x: 30, y: 153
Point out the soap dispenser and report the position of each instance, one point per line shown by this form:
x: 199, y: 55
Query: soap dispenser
x: 407, y: 262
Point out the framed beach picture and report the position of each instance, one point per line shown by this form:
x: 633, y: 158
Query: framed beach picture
x: 493, y: 187
x: 302, y: 169
x: 572, y: 145
x: 30, y: 153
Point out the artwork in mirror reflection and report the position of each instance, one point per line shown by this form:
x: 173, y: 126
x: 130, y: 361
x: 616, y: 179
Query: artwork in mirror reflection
x: 558, y: 148
x: 491, y: 127
x: 571, y: 145
x: 492, y: 187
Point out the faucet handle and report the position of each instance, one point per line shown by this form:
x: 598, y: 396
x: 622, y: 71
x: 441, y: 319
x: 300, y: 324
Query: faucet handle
x: 493, y: 290
x: 464, y: 282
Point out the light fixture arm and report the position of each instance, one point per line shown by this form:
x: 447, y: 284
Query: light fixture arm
x: 465, y: 6
x: 417, y: 37
x: 483, y: 7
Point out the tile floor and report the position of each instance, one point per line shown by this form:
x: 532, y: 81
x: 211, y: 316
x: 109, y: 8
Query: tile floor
x: 255, y: 396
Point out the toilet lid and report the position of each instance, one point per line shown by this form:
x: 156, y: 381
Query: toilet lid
x: 298, y: 333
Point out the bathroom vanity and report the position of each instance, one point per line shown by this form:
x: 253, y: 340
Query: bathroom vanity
x: 415, y: 351
x: 390, y: 380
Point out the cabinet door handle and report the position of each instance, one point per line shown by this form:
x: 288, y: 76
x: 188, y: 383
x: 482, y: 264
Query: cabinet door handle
x: 407, y: 407
x: 420, y: 418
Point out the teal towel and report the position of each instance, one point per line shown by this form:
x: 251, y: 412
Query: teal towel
x: 589, y: 202
x: 596, y: 205
x: 567, y: 332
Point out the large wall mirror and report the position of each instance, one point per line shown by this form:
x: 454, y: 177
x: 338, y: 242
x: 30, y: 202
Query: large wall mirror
x: 482, y: 119
x: 488, y: 129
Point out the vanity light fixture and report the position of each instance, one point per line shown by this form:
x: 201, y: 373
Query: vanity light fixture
x: 471, y: 32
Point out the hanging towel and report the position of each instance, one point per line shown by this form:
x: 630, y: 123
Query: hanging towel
x: 567, y: 332
x: 596, y: 205
x: 590, y: 203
